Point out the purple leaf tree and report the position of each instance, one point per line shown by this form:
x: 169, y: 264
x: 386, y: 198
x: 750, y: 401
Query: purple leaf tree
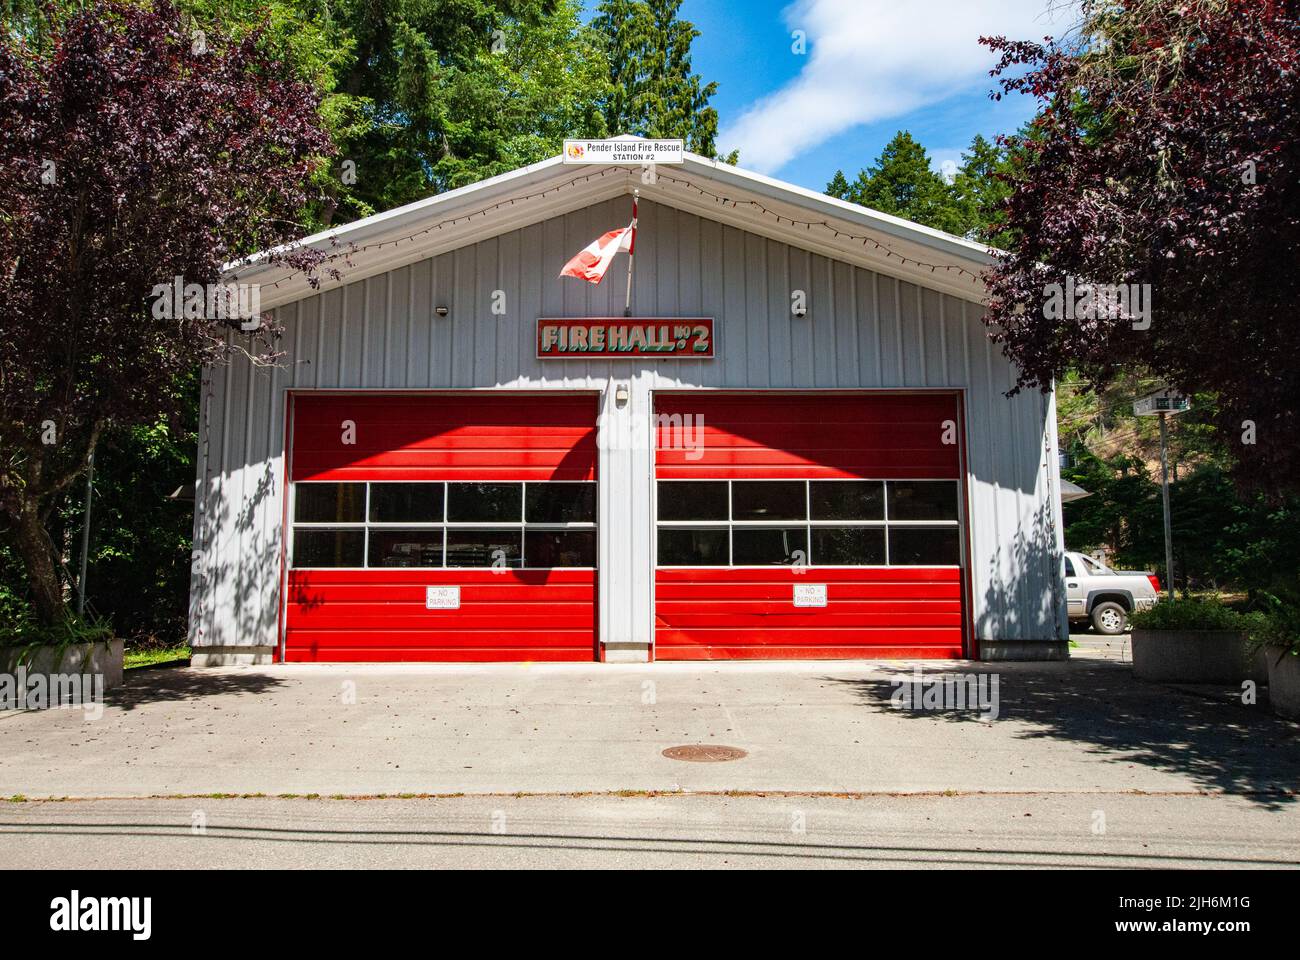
x: 1157, y: 209
x: 137, y: 156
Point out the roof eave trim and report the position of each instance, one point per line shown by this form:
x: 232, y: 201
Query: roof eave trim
x: 359, y: 231
x: 774, y: 189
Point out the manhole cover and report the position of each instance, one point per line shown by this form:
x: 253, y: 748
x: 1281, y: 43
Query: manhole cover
x: 704, y: 753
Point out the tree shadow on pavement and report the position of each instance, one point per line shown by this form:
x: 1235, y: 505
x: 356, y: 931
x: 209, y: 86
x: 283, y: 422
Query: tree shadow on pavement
x: 158, y: 686
x: 1205, y: 735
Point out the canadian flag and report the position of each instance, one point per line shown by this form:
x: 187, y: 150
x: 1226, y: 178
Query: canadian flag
x: 594, y: 259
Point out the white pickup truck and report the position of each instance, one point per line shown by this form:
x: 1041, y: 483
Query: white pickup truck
x: 1106, y: 597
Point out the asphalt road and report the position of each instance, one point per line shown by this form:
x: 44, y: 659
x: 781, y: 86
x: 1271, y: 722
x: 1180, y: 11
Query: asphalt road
x: 679, y: 831
x: 1096, y: 646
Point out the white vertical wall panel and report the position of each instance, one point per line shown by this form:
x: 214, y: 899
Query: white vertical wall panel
x: 862, y: 330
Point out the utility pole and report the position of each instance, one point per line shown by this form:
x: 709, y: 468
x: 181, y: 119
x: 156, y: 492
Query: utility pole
x: 1164, y: 404
x: 85, y: 534
x: 1164, y: 496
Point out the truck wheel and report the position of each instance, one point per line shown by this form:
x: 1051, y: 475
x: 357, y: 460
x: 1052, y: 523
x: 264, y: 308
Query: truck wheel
x: 1109, y: 617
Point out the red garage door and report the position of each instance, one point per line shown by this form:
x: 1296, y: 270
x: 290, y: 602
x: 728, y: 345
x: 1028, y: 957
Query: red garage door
x: 442, y: 528
x: 808, y: 525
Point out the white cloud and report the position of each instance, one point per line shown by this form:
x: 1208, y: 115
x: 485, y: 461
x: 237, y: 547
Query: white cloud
x: 869, y: 60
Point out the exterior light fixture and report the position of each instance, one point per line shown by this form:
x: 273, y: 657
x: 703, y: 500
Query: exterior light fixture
x: 440, y: 311
x: 621, y: 395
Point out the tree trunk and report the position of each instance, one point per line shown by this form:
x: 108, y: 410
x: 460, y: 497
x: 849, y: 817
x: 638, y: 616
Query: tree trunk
x: 37, y: 552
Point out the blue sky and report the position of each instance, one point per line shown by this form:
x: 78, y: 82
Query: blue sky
x: 871, y: 68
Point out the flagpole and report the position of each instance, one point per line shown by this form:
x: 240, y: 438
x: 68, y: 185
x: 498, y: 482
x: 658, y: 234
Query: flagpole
x: 631, y: 253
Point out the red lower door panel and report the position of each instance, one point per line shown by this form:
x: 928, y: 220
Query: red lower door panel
x: 380, y: 615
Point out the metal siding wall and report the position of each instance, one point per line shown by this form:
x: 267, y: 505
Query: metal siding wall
x: 862, y: 330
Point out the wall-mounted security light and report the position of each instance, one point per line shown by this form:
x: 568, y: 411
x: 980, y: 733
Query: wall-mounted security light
x: 440, y: 311
x: 621, y: 395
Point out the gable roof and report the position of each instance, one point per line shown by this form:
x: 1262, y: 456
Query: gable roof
x: 700, y: 185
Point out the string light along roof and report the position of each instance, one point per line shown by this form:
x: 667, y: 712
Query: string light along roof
x: 708, y: 188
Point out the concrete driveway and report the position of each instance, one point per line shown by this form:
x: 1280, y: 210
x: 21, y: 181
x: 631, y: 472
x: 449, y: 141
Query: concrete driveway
x: 815, y: 728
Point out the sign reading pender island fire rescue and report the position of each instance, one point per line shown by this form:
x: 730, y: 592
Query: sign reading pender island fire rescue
x: 688, y: 338
x: 632, y: 150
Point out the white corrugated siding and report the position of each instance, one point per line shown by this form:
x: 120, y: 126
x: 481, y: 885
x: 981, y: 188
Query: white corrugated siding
x: 863, y: 329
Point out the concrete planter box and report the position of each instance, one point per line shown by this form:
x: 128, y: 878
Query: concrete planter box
x: 1196, y: 656
x: 1283, y: 682
x: 103, y: 658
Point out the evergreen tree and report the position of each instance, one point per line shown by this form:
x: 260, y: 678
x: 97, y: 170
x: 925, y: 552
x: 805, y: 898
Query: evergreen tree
x: 651, y: 91
x: 839, y: 186
x: 902, y: 183
x: 980, y: 188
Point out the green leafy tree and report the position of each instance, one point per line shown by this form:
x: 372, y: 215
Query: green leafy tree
x: 651, y: 91
x: 315, y: 45
x: 1223, y: 538
x: 423, y: 96
x: 140, y: 545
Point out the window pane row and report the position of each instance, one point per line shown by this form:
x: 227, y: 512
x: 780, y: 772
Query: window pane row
x: 518, y: 504
x: 788, y: 546
x: 454, y: 502
x: 819, y: 500
x: 806, y: 521
x: 510, y: 548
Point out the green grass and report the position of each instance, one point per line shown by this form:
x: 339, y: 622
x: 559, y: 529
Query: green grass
x: 155, y: 658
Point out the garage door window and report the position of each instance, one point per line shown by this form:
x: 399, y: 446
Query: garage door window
x: 330, y: 503
x: 329, y: 548
x: 444, y: 524
x: 484, y: 502
x: 769, y: 500
x: 403, y: 502
x: 922, y: 500
x: 694, y: 547
x: 852, y: 523
x: 768, y: 546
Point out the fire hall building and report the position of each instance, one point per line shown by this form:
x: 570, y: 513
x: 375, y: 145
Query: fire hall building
x: 797, y: 442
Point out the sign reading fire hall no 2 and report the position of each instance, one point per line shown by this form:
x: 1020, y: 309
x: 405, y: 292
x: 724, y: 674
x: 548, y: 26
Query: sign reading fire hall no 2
x: 689, y: 338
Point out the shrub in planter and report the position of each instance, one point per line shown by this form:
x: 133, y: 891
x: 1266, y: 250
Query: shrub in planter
x: 1196, y: 641
x: 1188, y: 615
x: 1284, y: 681
x: 1277, y: 636
x: 28, y: 651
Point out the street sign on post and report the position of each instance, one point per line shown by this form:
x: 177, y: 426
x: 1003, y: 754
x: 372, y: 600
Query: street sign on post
x: 1164, y: 404
x: 1166, y: 401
